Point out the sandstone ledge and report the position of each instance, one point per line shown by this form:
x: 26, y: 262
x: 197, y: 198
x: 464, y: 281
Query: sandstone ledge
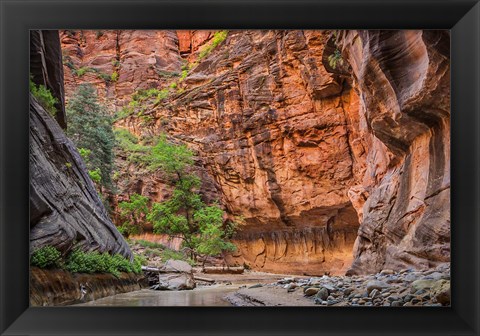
x: 61, y: 288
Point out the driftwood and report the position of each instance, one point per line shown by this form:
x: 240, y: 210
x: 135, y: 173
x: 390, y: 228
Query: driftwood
x: 151, y: 269
x: 203, y: 279
x: 223, y: 270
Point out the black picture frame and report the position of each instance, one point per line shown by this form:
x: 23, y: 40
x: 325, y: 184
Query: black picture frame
x: 18, y: 16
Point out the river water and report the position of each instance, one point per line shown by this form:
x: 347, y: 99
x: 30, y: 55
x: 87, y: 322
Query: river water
x: 202, y: 296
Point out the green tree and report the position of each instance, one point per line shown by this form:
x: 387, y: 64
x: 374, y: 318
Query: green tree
x: 90, y: 128
x: 185, y: 215
x: 134, y: 212
x: 44, y: 97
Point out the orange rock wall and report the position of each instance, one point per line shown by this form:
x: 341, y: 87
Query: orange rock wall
x: 309, y: 155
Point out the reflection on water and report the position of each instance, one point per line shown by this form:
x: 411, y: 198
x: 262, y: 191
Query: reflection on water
x: 205, y: 296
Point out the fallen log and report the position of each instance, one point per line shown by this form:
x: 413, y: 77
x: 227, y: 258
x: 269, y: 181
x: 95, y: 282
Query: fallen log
x: 223, y: 270
x: 150, y: 269
x: 203, y: 279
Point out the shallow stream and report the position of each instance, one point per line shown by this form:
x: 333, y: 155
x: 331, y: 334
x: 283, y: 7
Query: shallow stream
x: 202, y: 296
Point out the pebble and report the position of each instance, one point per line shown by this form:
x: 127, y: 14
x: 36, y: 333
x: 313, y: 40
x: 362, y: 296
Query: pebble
x: 374, y: 293
x: 375, y: 284
x: 291, y: 286
x: 311, y: 291
x: 387, y: 288
x: 322, y: 293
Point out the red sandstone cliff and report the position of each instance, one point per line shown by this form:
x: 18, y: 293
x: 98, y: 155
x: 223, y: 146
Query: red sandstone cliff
x: 314, y: 158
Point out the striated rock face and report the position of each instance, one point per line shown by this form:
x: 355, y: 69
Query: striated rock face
x: 404, y: 80
x: 65, y: 209
x: 45, y: 67
x: 61, y: 288
x: 313, y: 157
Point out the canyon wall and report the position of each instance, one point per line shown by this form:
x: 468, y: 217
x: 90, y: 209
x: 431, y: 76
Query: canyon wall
x: 65, y: 209
x: 327, y: 165
x: 404, y: 81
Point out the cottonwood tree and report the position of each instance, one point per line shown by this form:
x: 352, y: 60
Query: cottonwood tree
x: 185, y: 215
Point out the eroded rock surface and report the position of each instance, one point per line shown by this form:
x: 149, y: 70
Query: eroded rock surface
x: 404, y: 80
x: 313, y: 157
x: 65, y: 209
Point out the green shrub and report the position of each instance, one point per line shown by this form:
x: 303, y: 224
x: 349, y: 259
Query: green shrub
x: 146, y: 243
x: 95, y: 175
x: 162, y: 95
x: 95, y: 262
x: 44, y: 97
x: 114, y: 76
x: 176, y: 255
x: 81, y: 71
x: 46, y: 257
x: 184, y: 74
x: 335, y: 59
x: 218, y: 38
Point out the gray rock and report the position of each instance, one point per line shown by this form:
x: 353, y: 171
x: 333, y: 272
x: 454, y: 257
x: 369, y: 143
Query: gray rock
x: 322, y: 293
x: 422, y: 284
x: 65, y: 209
x: 375, y: 284
x: 435, y: 276
x: 256, y: 286
x: 441, y: 292
x: 393, y: 298
x: 397, y: 304
x: 176, y: 266
x: 290, y: 286
x: 176, y: 281
x: 347, y: 291
x: 329, y: 287
x: 374, y: 293
x: 410, y: 277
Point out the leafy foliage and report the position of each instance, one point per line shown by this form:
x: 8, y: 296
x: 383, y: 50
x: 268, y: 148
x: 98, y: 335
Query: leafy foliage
x: 86, y: 262
x: 133, y: 212
x: 335, y: 59
x: 95, y: 262
x: 172, y: 159
x: 146, y: 243
x: 167, y: 254
x: 130, y: 145
x: 90, y: 128
x: 46, y: 257
x: 218, y: 38
x: 44, y: 97
x: 114, y: 76
x: 185, y: 215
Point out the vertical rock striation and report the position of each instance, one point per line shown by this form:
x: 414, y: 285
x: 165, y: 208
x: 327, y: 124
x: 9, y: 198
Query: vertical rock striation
x: 65, y: 209
x: 404, y: 83
x: 314, y: 157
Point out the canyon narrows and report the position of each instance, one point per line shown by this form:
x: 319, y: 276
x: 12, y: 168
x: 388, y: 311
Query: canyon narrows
x: 330, y: 148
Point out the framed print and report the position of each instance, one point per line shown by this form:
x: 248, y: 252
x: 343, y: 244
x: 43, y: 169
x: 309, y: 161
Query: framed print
x: 239, y: 168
